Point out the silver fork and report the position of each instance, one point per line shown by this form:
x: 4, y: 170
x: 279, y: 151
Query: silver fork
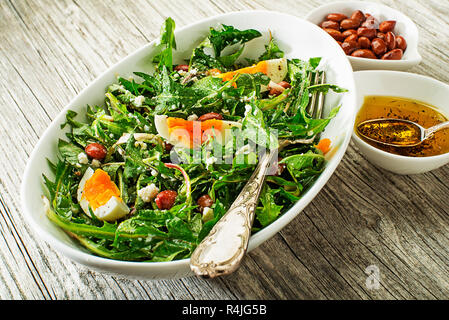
x: 222, y: 250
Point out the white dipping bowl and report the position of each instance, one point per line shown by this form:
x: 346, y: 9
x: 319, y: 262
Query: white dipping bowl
x: 297, y: 37
x: 404, y: 27
x: 405, y: 85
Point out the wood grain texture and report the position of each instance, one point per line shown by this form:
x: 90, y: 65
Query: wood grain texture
x: 50, y: 50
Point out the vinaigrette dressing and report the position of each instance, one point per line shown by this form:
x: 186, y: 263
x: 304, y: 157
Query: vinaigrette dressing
x: 375, y: 107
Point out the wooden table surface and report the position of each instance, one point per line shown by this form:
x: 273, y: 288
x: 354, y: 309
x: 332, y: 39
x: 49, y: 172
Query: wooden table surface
x: 363, y: 219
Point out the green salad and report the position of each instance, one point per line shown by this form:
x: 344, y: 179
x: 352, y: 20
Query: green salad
x: 131, y: 182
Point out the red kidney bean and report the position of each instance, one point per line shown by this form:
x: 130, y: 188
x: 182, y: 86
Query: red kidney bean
x: 387, y: 26
x: 370, y: 23
x: 210, y: 115
x: 390, y: 40
x: 348, y: 32
x: 352, y: 37
x: 358, y: 16
x: 166, y: 199
x: 284, y: 84
x: 395, y: 54
x: 378, y: 46
x: 280, y: 167
x: 168, y: 146
x: 336, y: 17
x: 349, y: 46
x: 381, y: 35
x: 349, y: 24
x: 364, y: 53
x: 335, y: 34
x: 330, y: 25
x: 182, y: 67
x: 401, y: 43
x: 96, y: 151
x: 364, y: 43
x: 366, y: 32
x: 204, y: 201
x: 275, y: 90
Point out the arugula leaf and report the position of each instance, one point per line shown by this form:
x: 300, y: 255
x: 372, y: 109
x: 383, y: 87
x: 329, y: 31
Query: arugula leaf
x: 60, y: 191
x: 255, y: 129
x: 228, y: 35
x: 202, y: 61
x: 269, y: 211
x: 229, y: 60
x: 167, y: 44
x: 272, y: 51
x: 69, y: 152
x: 301, y: 165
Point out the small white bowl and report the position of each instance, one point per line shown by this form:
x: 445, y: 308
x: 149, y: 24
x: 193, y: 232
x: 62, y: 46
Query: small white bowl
x: 404, y: 27
x: 405, y: 85
x: 291, y: 33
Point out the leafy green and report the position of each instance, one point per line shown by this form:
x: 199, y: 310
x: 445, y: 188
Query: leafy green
x: 269, y: 211
x: 228, y: 35
x: 167, y: 44
x: 272, y: 51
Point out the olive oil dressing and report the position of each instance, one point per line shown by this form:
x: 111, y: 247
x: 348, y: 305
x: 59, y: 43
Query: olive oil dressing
x: 400, y: 133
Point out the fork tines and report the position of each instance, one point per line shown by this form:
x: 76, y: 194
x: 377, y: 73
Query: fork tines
x: 315, y: 107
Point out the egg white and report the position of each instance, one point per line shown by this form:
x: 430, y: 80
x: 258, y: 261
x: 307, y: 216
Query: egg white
x: 112, y: 210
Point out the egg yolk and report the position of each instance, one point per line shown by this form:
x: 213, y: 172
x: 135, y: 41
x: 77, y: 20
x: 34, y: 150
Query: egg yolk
x: 259, y: 67
x: 99, y: 189
x: 192, y: 132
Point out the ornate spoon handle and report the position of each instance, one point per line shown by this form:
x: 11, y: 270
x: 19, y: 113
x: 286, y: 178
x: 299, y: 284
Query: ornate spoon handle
x: 222, y: 250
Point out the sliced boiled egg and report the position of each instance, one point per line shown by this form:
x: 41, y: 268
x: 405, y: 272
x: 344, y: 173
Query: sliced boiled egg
x: 97, y: 191
x: 191, y: 134
x: 275, y: 69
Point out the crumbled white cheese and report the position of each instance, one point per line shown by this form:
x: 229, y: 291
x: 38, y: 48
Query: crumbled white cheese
x: 192, y: 117
x: 248, y: 108
x: 210, y: 161
x: 148, y: 193
x: 146, y: 127
x: 82, y: 158
x: 95, y: 163
x: 139, y: 100
x: 154, y: 172
x: 208, y: 214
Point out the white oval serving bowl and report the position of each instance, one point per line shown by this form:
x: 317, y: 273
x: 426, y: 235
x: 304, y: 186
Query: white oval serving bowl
x: 404, y: 27
x: 405, y: 85
x: 297, y: 37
